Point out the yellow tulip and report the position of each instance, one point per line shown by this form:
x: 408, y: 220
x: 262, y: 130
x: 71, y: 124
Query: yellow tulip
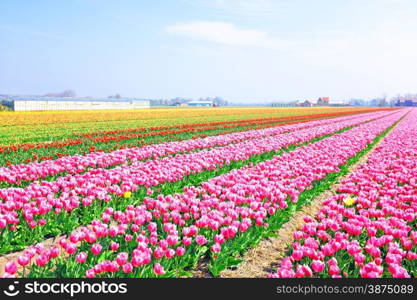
x: 349, y: 201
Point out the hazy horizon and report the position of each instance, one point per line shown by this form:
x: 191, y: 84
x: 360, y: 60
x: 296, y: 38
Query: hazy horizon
x: 240, y: 50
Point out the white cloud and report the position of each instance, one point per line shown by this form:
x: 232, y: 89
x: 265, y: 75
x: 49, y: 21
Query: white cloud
x: 226, y: 34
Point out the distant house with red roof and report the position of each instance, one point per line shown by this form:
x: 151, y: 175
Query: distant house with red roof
x: 323, y: 101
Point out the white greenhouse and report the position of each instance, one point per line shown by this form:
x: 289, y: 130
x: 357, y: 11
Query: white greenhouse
x: 49, y: 103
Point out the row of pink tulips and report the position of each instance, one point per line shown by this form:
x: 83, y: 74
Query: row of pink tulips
x: 369, y: 228
x: 168, y: 233
x: 70, y: 192
x: 15, y: 174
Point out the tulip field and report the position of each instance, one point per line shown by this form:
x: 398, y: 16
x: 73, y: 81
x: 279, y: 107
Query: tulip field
x: 369, y: 228
x: 141, y: 199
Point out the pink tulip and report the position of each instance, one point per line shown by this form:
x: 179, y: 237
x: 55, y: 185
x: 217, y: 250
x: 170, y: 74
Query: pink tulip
x: 158, y: 269
x: 90, y: 273
x: 201, y: 240
x: 114, y: 246
x: 11, y: 267
x: 96, y: 249
x: 317, y: 266
x: 41, y: 260
x: 127, y: 268
x: 180, y: 251
x: 334, y: 270
x: 128, y: 237
x: 216, y: 248
x: 159, y: 253
x: 81, y: 257
x: 23, y: 260
x: 122, y: 258
x: 297, y: 255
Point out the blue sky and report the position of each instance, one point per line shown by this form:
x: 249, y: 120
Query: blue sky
x: 242, y: 50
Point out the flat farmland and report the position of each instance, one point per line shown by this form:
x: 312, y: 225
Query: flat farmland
x: 27, y: 127
x: 193, y: 192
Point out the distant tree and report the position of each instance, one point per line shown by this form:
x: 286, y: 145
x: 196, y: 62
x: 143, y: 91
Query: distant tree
x: 4, y: 108
x: 219, y: 101
x: 374, y: 102
x: 66, y: 93
x: 357, y: 102
x: 382, y: 102
x: 116, y: 96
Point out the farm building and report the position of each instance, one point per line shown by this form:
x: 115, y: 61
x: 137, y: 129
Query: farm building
x: 410, y: 101
x: 201, y: 103
x: 284, y: 104
x: 338, y: 103
x: 323, y: 101
x: 305, y: 103
x: 51, y: 103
